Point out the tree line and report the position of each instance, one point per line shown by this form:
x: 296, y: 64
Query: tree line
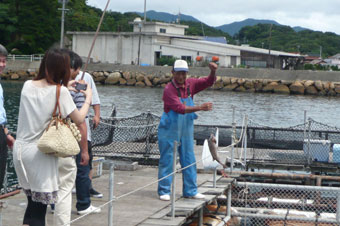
x: 32, y: 26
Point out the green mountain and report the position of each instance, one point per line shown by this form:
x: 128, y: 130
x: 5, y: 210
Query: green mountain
x: 32, y: 26
x: 235, y: 27
x: 285, y: 38
x: 166, y: 17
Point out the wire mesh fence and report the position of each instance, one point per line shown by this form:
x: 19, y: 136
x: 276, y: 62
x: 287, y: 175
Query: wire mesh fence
x: 256, y: 204
x: 133, y: 138
x: 10, y: 180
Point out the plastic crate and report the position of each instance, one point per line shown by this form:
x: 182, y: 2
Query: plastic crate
x: 319, y: 150
x: 97, y: 166
x: 336, y: 153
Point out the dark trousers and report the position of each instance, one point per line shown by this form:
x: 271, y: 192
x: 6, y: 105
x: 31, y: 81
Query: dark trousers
x: 3, y: 156
x: 35, y: 213
x: 83, y: 184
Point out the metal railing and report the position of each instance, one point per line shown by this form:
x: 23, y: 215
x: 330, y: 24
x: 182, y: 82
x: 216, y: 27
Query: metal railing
x: 31, y: 58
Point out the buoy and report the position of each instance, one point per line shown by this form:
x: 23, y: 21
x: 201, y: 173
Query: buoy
x: 215, y: 58
x: 199, y: 58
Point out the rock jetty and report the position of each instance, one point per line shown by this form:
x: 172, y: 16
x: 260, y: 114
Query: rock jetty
x: 140, y: 79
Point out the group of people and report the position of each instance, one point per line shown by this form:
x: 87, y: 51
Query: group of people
x: 48, y: 180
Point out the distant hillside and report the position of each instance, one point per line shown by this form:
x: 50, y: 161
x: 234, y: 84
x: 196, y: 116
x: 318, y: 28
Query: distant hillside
x: 298, y: 28
x: 166, y: 17
x: 235, y: 27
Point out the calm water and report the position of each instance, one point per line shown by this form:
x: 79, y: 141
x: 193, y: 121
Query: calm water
x: 266, y: 109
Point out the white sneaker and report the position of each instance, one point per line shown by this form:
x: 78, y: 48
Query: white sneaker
x: 198, y: 196
x: 90, y: 209
x: 164, y: 197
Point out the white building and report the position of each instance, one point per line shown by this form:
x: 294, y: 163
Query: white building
x: 151, y: 40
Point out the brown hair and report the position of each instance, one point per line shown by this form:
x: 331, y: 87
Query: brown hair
x: 55, y: 67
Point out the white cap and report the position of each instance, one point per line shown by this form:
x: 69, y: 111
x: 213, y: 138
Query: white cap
x: 181, y: 65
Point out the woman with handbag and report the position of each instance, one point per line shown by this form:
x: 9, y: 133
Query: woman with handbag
x: 38, y: 172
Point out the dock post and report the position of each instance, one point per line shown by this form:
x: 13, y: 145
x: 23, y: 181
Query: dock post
x: 232, y: 141
x: 304, y: 124
x: 338, y: 208
x: 214, y: 178
x: 308, y: 144
x: 173, y: 185
x: 245, y: 139
x: 229, y: 200
x: 111, y: 184
x: 3, y: 205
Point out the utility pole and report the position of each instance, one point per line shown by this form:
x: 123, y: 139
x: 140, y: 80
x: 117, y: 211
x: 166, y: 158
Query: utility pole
x: 320, y: 52
x: 63, y: 2
x: 144, y: 11
x: 270, y: 44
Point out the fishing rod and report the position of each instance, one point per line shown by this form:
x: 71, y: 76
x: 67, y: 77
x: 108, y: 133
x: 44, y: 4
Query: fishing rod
x: 82, y: 86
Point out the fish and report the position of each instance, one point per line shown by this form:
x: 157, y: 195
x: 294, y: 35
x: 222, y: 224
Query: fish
x: 213, y: 150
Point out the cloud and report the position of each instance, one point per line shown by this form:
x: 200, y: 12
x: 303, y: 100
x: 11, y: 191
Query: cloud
x: 313, y: 14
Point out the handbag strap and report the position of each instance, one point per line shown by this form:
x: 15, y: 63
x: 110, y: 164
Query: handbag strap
x: 57, y: 105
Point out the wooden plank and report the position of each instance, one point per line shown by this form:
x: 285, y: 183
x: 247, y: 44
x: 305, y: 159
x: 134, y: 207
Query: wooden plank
x: 162, y: 213
x: 211, y: 191
x: 166, y: 221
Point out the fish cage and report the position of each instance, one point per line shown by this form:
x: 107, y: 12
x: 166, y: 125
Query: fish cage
x: 255, y: 204
x: 132, y: 138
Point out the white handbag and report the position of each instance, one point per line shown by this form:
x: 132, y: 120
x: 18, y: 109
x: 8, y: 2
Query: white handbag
x: 61, y: 137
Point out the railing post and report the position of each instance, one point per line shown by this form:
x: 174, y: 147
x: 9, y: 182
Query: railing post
x: 245, y: 139
x: 214, y: 177
x: 304, y: 124
x: 338, y: 208
x: 173, y: 185
x: 111, y: 197
x: 232, y: 141
x: 308, y: 143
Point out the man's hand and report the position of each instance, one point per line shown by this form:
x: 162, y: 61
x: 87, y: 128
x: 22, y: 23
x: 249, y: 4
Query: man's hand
x: 10, y: 141
x: 213, y: 67
x: 206, y: 106
x: 84, y: 160
x: 96, y: 120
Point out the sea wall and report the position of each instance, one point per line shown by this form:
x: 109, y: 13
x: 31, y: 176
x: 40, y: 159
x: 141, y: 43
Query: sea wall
x: 228, y: 79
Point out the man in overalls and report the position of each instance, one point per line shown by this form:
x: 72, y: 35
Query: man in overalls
x: 177, y: 124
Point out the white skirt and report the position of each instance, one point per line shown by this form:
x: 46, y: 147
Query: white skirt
x: 37, y: 172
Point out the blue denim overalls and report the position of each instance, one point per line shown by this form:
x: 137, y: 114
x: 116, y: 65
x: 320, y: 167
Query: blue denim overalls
x: 180, y: 127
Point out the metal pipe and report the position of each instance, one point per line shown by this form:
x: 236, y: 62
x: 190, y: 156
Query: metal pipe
x: 62, y: 25
x: 304, y: 124
x: 245, y: 139
x: 286, y: 218
x: 173, y: 185
x: 288, y: 176
x: 338, y: 208
x: 200, y: 217
x: 214, y: 177
x: 144, y: 11
x: 94, y: 39
x: 286, y: 186
x: 229, y: 201
x: 111, y: 186
x: 232, y: 141
x: 308, y: 144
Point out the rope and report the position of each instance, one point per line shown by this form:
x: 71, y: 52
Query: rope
x: 235, y: 142
x: 145, y: 186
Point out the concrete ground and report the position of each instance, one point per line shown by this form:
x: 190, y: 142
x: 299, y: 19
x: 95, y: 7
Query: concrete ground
x: 128, y: 210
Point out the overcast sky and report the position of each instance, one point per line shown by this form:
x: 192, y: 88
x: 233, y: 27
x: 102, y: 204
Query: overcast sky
x: 313, y: 14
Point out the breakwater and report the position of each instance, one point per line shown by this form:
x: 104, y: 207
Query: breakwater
x: 239, y: 80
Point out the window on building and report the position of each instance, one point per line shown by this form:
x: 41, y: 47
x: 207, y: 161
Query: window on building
x: 162, y: 30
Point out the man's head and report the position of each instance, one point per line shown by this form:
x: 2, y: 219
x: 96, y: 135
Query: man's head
x: 180, y: 71
x: 3, y: 56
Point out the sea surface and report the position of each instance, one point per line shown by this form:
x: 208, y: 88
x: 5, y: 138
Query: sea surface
x: 273, y: 110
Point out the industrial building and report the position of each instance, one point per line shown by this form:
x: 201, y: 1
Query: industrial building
x: 151, y: 40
